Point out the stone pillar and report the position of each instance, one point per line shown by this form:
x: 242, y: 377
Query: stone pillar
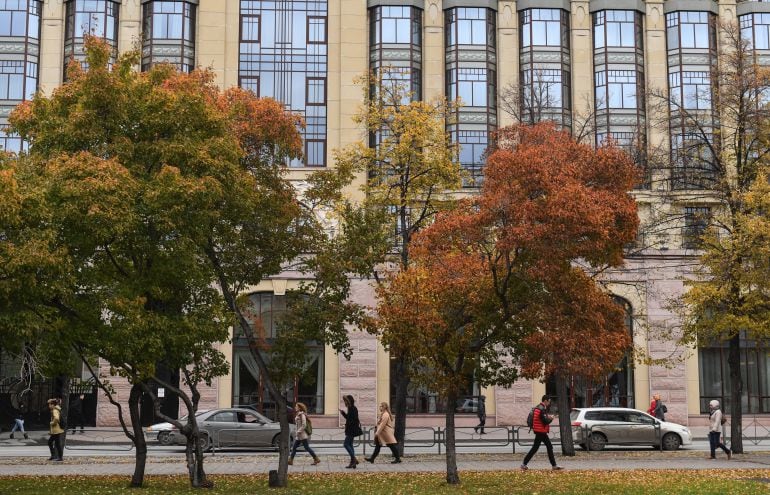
x: 51, y: 46
x: 433, y: 59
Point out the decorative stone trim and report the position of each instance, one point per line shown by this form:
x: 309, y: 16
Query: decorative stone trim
x: 691, y: 5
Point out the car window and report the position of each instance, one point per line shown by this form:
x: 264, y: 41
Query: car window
x: 573, y: 415
x: 616, y: 416
x: 635, y: 418
x: 248, y: 418
x: 593, y: 415
x: 223, y: 417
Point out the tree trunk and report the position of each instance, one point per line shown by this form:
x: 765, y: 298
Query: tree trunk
x: 565, y: 426
x: 736, y: 391
x: 283, y: 447
x: 140, y: 443
x: 452, y: 476
x: 401, y: 381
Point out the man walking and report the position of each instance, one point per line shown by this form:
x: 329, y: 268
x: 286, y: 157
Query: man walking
x: 481, y: 412
x: 541, y: 425
x: 76, y: 413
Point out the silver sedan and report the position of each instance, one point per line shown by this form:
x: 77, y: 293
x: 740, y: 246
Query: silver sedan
x: 226, y: 428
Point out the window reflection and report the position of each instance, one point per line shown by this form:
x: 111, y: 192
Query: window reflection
x: 169, y: 34
x: 96, y: 17
x: 283, y: 55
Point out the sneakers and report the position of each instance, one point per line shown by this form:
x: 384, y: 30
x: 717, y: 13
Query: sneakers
x: 523, y: 467
x: 557, y: 468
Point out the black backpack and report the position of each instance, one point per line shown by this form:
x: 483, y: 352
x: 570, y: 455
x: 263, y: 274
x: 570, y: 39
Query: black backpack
x: 531, y: 418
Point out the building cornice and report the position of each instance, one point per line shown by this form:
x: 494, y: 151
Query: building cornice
x: 598, y: 5
x: 486, y: 4
x: 420, y: 4
x: 691, y: 5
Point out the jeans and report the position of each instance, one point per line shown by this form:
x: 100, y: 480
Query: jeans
x: 304, y: 443
x: 348, y: 444
x: 55, y: 446
x: 541, y: 438
x: 18, y: 425
x: 714, y: 443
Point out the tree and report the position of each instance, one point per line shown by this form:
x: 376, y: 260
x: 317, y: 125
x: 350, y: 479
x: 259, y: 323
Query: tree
x: 411, y: 166
x: 719, y: 146
x: 149, y: 188
x: 494, y: 289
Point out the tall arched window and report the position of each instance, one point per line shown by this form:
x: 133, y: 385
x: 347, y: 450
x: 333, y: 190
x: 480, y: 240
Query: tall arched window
x: 617, y: 387
x: 264, y: 312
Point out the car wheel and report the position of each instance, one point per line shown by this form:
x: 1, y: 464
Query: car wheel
x: 671, y: 441
x: 164, y: 438
x: 597, y: 441
x: 204, y: 441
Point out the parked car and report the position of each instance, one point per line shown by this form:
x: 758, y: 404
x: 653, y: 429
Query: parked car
x: 595, y: 427
x: 226, y: 428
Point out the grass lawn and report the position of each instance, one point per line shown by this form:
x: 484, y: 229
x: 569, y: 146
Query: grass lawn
x: 497, y: 482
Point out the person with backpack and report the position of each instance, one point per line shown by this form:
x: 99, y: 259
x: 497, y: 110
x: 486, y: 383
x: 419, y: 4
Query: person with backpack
x: 716, y: 422
x: 385, y: 434
x: 657, y: 408
x: 540, y: 422
x: 352, y: 428
x: 304, y: 431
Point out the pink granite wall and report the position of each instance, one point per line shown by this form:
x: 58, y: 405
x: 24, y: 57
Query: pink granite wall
x: 358, y: 376
x: 107, y: 414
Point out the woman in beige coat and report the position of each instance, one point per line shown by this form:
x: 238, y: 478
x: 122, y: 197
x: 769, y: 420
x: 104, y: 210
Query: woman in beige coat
x: 384, y: 435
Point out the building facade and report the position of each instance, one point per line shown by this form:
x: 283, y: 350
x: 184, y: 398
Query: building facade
x: 562, y: 60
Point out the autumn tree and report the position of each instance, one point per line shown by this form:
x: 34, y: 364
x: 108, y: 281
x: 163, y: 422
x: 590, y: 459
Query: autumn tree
x: 494, y: 287
x: 719, y: 146
x: 410, y: 164
x: 160, y: 198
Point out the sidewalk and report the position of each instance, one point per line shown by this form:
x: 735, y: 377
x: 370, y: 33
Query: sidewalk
x: 254, y: 464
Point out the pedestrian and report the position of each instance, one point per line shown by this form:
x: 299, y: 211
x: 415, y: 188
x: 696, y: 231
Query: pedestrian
x: 55, y: 431
x: 481, y: 412
x: 716, y: 422
x: 657, y: 408
x: 384, y: 435
x: 18, y: 422
x: 352, y: 428
x: 76, y: 413
x: 304, y: 431
x: 541, y: 425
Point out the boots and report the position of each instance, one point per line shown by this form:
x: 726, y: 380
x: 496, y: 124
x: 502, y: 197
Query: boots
x: 316, y: 460
x: 353, y: 464
x: 26, y: 437
x: 11, y: 436
x: 291, y: 462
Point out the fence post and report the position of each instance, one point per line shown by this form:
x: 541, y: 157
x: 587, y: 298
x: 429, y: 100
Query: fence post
x: 438, y: 437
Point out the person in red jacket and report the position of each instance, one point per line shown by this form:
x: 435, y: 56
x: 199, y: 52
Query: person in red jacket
x: 541, y: 425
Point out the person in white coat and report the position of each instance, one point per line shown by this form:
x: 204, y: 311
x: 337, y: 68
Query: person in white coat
x: 715, y: 430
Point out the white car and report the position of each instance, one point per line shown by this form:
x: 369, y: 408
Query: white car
x: 595, y: 427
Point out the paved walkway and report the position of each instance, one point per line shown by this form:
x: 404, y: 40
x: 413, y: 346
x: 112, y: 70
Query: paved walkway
x: 252, y: 464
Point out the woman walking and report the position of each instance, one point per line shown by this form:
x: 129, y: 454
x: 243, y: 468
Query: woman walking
x: 352, y: 428
x: 304, y: 430
x: 55, y: 431
x: 384, y: 435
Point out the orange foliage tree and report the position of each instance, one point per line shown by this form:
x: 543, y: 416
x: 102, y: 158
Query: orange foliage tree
x: 499, y: 287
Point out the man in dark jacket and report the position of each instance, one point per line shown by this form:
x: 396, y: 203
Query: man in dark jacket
x: 76, y: 413
x: 541, y: 425
x: 481, y: 412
